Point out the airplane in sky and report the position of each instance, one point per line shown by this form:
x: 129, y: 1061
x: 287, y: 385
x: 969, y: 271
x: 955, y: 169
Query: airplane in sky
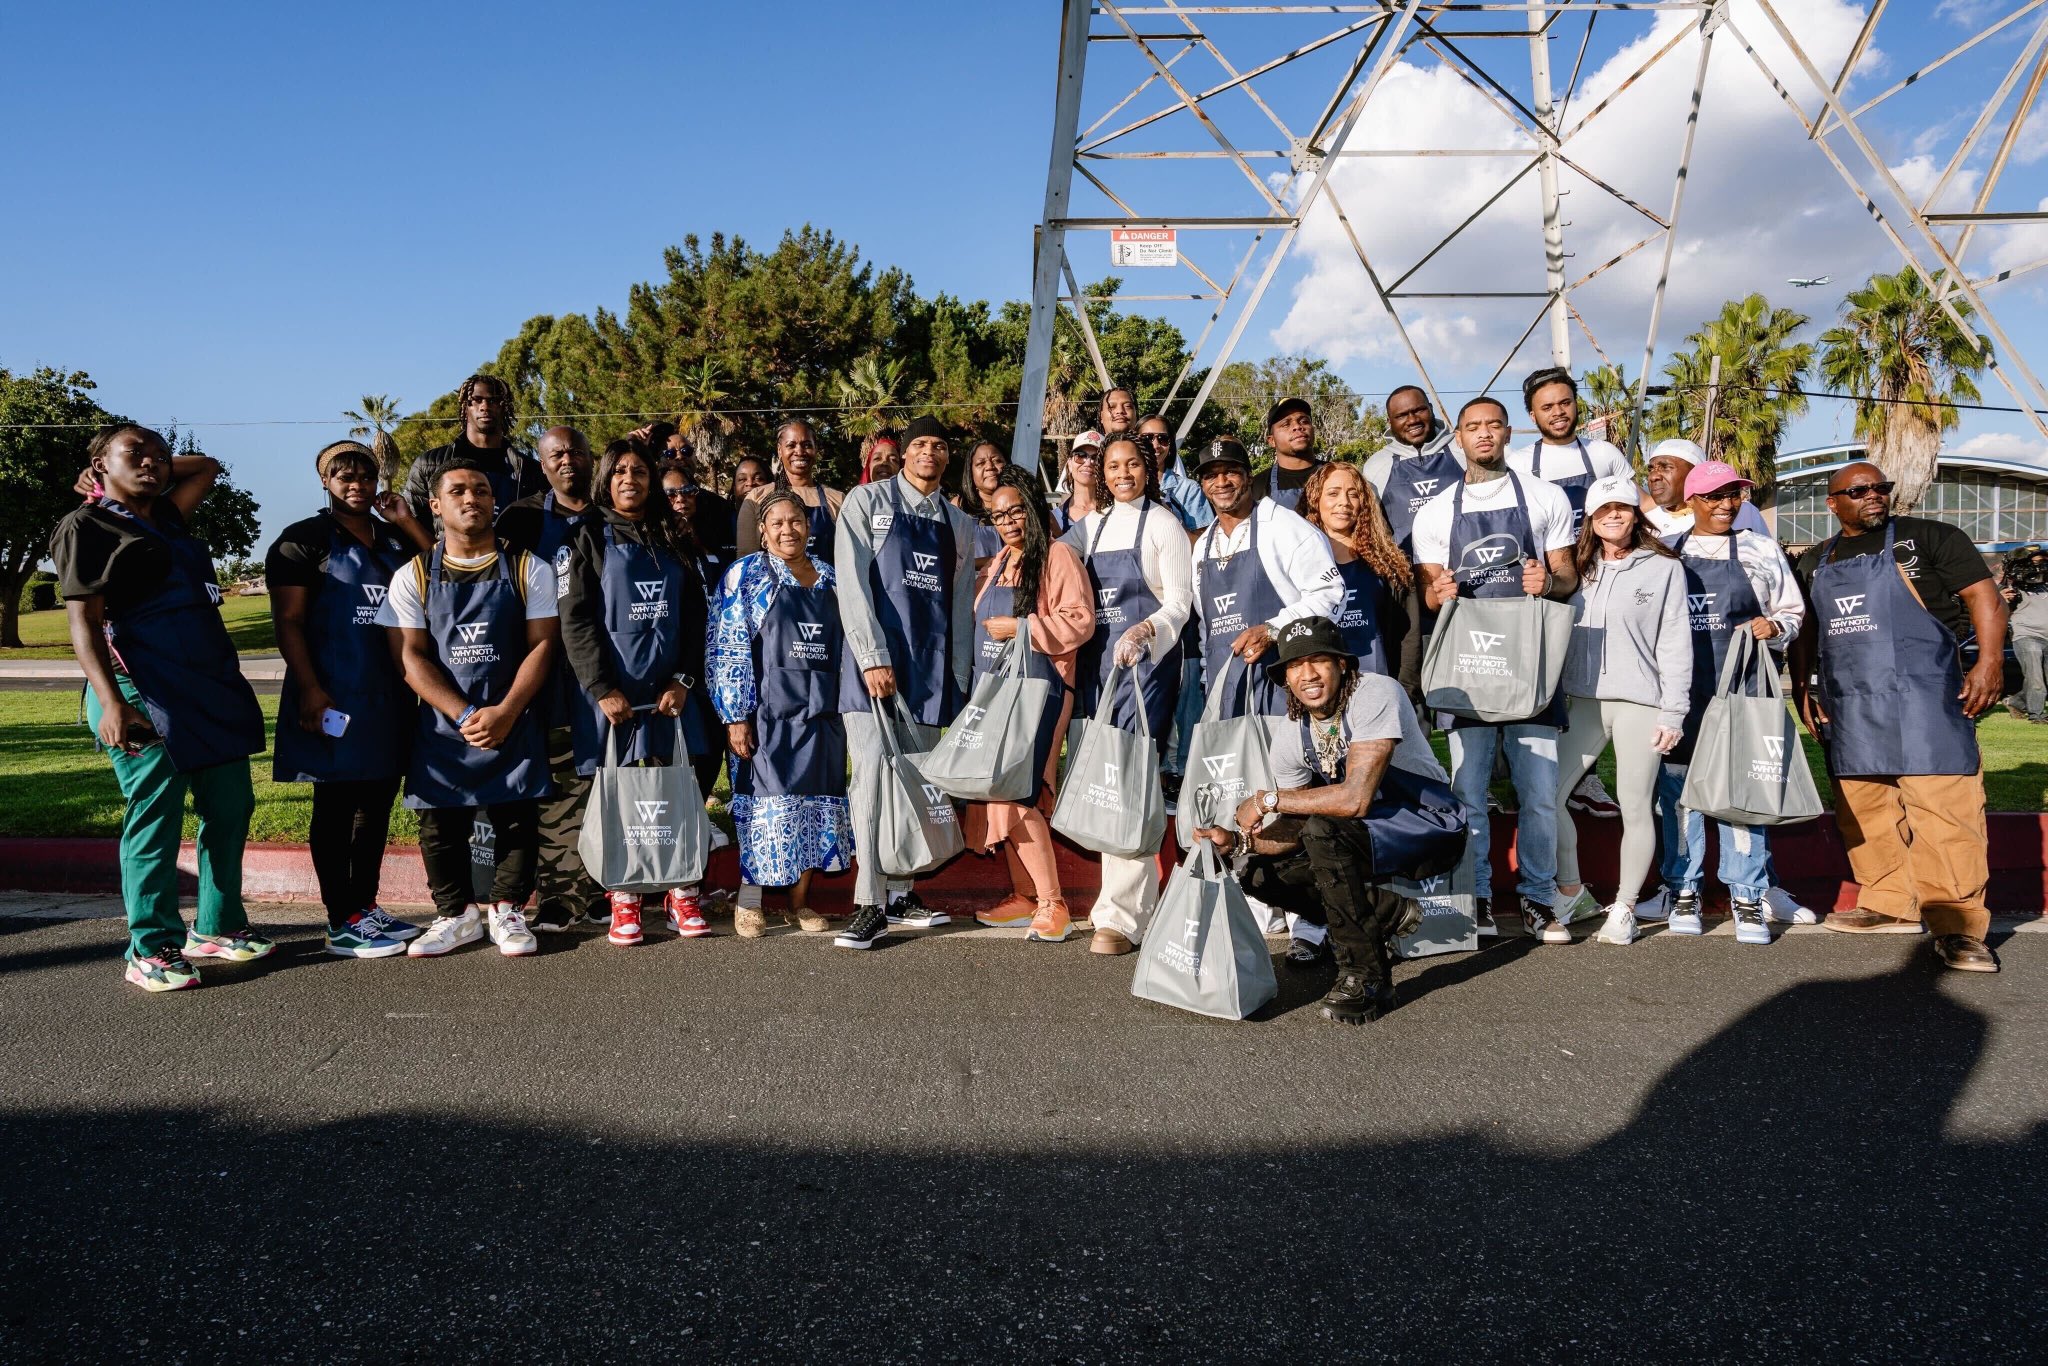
x: 1809, y: 283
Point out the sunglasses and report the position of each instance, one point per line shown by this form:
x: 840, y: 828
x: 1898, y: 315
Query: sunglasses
x: 1858, y: 492
x: 677, y: 495
x: 1731, y: 494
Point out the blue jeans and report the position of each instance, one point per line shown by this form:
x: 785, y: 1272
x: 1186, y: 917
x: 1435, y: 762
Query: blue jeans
x: 1532, y: 765
x: 1745, y: 849
x: 1186, y: 712
x: 2033, y: 653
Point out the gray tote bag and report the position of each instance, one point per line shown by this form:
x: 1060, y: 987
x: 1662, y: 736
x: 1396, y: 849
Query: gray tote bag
x: 917, y: 827
x: 1748, y: 767
x: 1495, y: 660
x: 1447, y: 919
x: 1110, y: 799
x: 1204, y: 952
x: 1234, y: 756
x: 987, y: 754
x: 644, y: 829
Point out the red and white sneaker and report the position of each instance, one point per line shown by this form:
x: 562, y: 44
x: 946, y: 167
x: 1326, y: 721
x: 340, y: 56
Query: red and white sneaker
x: 625, y: 930
x: 1591, y: 797
x: 685, y: 909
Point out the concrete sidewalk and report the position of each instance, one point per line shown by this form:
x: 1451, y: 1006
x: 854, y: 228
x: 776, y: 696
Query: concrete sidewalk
x: 255, y: 668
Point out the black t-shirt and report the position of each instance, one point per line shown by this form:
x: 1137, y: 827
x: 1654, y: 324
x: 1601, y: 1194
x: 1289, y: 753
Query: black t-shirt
x: 1939, y: 558
x: 1289, y: 480
x: 298, y: 557
x: 520, y: 526
x: 101, y: 552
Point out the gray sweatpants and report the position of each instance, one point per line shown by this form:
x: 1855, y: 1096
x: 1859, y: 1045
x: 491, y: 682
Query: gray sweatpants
x: 864, y: 790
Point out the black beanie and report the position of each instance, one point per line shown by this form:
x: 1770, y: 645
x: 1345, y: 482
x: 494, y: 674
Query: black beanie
x: 925, y: 426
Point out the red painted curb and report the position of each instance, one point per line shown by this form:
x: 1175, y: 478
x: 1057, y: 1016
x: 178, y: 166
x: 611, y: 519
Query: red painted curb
x: 1810, y: 859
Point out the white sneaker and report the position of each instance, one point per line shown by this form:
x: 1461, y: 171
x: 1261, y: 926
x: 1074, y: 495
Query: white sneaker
x: 448, y: 933
x: 1780, y: 904
x: 1654, y: 909
x: 509, y: 932
x: 1583, y: 906
x: 1619, y: 927
x: 1685, y: 915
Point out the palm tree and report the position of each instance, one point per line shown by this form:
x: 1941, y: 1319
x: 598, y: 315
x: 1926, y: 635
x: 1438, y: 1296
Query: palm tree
x: 1905, y: 359
x: 871, y: 389
x: 377, y: 416
x: 1762, y: 374
x: 701, y: 390
x: 1608, y: 400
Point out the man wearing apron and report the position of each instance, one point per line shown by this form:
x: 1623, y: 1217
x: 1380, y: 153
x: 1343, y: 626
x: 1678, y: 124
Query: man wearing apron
x: 1734, y: 581
x: 1558, y: 454
x: 343, y: 712
x: 1257, y: 567
x: 1494, y: 534
x: 542, y: 525
x: 1291, y: 432
x: 165, y: 696
x: 1418, y: 462
x: 478, y: 635
x: 906, y: 602
x: 1879, y: 680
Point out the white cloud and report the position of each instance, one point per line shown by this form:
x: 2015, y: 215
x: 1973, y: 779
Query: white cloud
x: 1967, y: 12
x: 1916, y: 176
x: 2020, y: 244
x: 2003, y: 446
x: 1762, y: 205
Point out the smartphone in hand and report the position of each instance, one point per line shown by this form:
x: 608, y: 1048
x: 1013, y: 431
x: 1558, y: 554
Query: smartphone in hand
x: 333, y: 722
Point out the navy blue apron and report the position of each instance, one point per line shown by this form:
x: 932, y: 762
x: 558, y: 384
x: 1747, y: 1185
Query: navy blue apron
x: 557, y: 529
x: 823, y: 532
x: 1719, y: 601
x: 1486, y: 553
x: 1122, y: 600
x: 987, y: 541
x: 1415, y: 824
x: 998, y: 601
x: 175, y: 649
x: 643, y: 621
x: 799, y: 740
x: 479, y: 631
x: 1237, y: 595
x: 910, y: 584
x: 1287, y: 498
x: 1410, y: 484
x: 1889, y: 672
x: 352, y: 655
x: 1359, y: 620
x: 1574, y: 487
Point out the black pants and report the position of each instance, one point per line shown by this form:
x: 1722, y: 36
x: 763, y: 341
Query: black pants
x: 1330, y: 881
x: 444, y: 849
x: 349, y: 826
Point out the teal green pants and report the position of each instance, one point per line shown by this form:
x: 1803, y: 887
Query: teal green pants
x: 150, y: 830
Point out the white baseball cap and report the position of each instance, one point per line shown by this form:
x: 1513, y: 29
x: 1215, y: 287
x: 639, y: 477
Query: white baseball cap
x: 1613, y: 488
x: 1679, y: 447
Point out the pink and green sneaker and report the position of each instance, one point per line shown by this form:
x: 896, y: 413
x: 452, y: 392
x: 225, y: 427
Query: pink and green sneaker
x: 166, y: 971
x: 242, y: 946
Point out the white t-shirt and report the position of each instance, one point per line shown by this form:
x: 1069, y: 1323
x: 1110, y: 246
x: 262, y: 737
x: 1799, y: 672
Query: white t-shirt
x: 1601, y: 459
x: 403, y: 608
x: 1378, y: 710
x: 1550, y: 515
x: 1164, y: 560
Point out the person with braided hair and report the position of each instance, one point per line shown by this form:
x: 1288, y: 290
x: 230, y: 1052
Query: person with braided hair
x: 484, y: 405
x: 1040, y: 582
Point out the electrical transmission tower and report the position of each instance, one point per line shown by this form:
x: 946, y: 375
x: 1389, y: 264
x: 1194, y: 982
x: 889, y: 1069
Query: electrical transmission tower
x: 1212, y: 131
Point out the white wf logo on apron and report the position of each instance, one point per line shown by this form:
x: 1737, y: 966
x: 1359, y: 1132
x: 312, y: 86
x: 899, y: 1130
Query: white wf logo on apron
x: 652, y: 826
x: 1700, y: 607
x: 1226, y: 618
x: 810, y: 646
x: 653, y: 603
x: 1110, y: 614
x: 366, y: 611
x: 473, y: 648
x: 1425, y: 489
x: 922, y: 578
x: 1354, y: 615
x: 1850, y: 619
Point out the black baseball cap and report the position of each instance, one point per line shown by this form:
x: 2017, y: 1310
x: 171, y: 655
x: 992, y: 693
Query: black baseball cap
x: 1303, y: 637
x: 1284, y: 407
x: 1223, y: 451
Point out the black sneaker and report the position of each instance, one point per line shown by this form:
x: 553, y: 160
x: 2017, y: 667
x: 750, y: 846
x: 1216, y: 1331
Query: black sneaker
x: 867, y: 929
x: 1353, y: 1002
x: 1482, y: 915
x: 912, y: 911
x: 1541, y: 923
x: 552, y: 917
x: 1303, y: 954
x: 1169, y: 785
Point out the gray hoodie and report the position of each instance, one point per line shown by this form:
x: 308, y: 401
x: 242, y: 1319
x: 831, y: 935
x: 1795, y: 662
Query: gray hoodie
x: 1633, y: 640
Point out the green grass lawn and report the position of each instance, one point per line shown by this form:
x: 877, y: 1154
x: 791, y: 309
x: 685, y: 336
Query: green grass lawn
x: 57, y: 783
x: 45, y: 635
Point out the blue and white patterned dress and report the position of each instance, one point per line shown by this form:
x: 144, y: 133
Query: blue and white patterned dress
x: 780, y: 837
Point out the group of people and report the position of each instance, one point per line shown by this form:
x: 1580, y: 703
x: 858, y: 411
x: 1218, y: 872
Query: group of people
x: 489, y: 637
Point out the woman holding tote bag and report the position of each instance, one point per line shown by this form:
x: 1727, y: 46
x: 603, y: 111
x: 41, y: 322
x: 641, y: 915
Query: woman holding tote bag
x: 1627, y: 677
x: 1141, y: 569
x: 1035, y: 579
x: 773, y: 671
x: 633, y: 617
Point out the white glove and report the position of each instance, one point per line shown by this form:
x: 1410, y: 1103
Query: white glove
x: 1131, y: 646
x: 1665, y: 739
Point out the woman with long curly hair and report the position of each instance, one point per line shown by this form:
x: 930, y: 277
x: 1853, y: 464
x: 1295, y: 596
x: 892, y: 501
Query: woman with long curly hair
x: 1040, y: 582
x: 1338, y: 502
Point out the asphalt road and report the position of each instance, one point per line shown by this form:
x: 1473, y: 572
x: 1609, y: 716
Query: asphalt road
x: 969, y: 1146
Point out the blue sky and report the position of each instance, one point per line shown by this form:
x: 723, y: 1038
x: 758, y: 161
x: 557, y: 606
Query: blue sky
x: 255, y: 214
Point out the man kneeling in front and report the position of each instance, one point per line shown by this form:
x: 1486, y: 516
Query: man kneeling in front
x: 1361, y: 800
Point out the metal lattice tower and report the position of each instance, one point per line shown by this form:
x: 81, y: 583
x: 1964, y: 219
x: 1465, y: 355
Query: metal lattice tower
x: 1199, y: 109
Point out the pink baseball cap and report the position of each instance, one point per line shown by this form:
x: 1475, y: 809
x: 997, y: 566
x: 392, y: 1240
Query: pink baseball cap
x: 1714, y: 474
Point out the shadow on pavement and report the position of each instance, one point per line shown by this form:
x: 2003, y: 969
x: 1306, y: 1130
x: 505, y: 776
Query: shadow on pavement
x: 1785, y: 1191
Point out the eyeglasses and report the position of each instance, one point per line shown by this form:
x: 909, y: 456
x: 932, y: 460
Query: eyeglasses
x: 677, y: 495
x: 1157, y: 438
x: 1858, y: 492
x: 1010, y: 515
x: 1731, y: 494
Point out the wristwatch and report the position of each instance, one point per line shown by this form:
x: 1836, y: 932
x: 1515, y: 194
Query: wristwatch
x: 1269, y: 802
x: 683, y: 680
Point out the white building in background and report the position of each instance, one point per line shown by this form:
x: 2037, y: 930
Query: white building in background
x: 2000, y: 501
